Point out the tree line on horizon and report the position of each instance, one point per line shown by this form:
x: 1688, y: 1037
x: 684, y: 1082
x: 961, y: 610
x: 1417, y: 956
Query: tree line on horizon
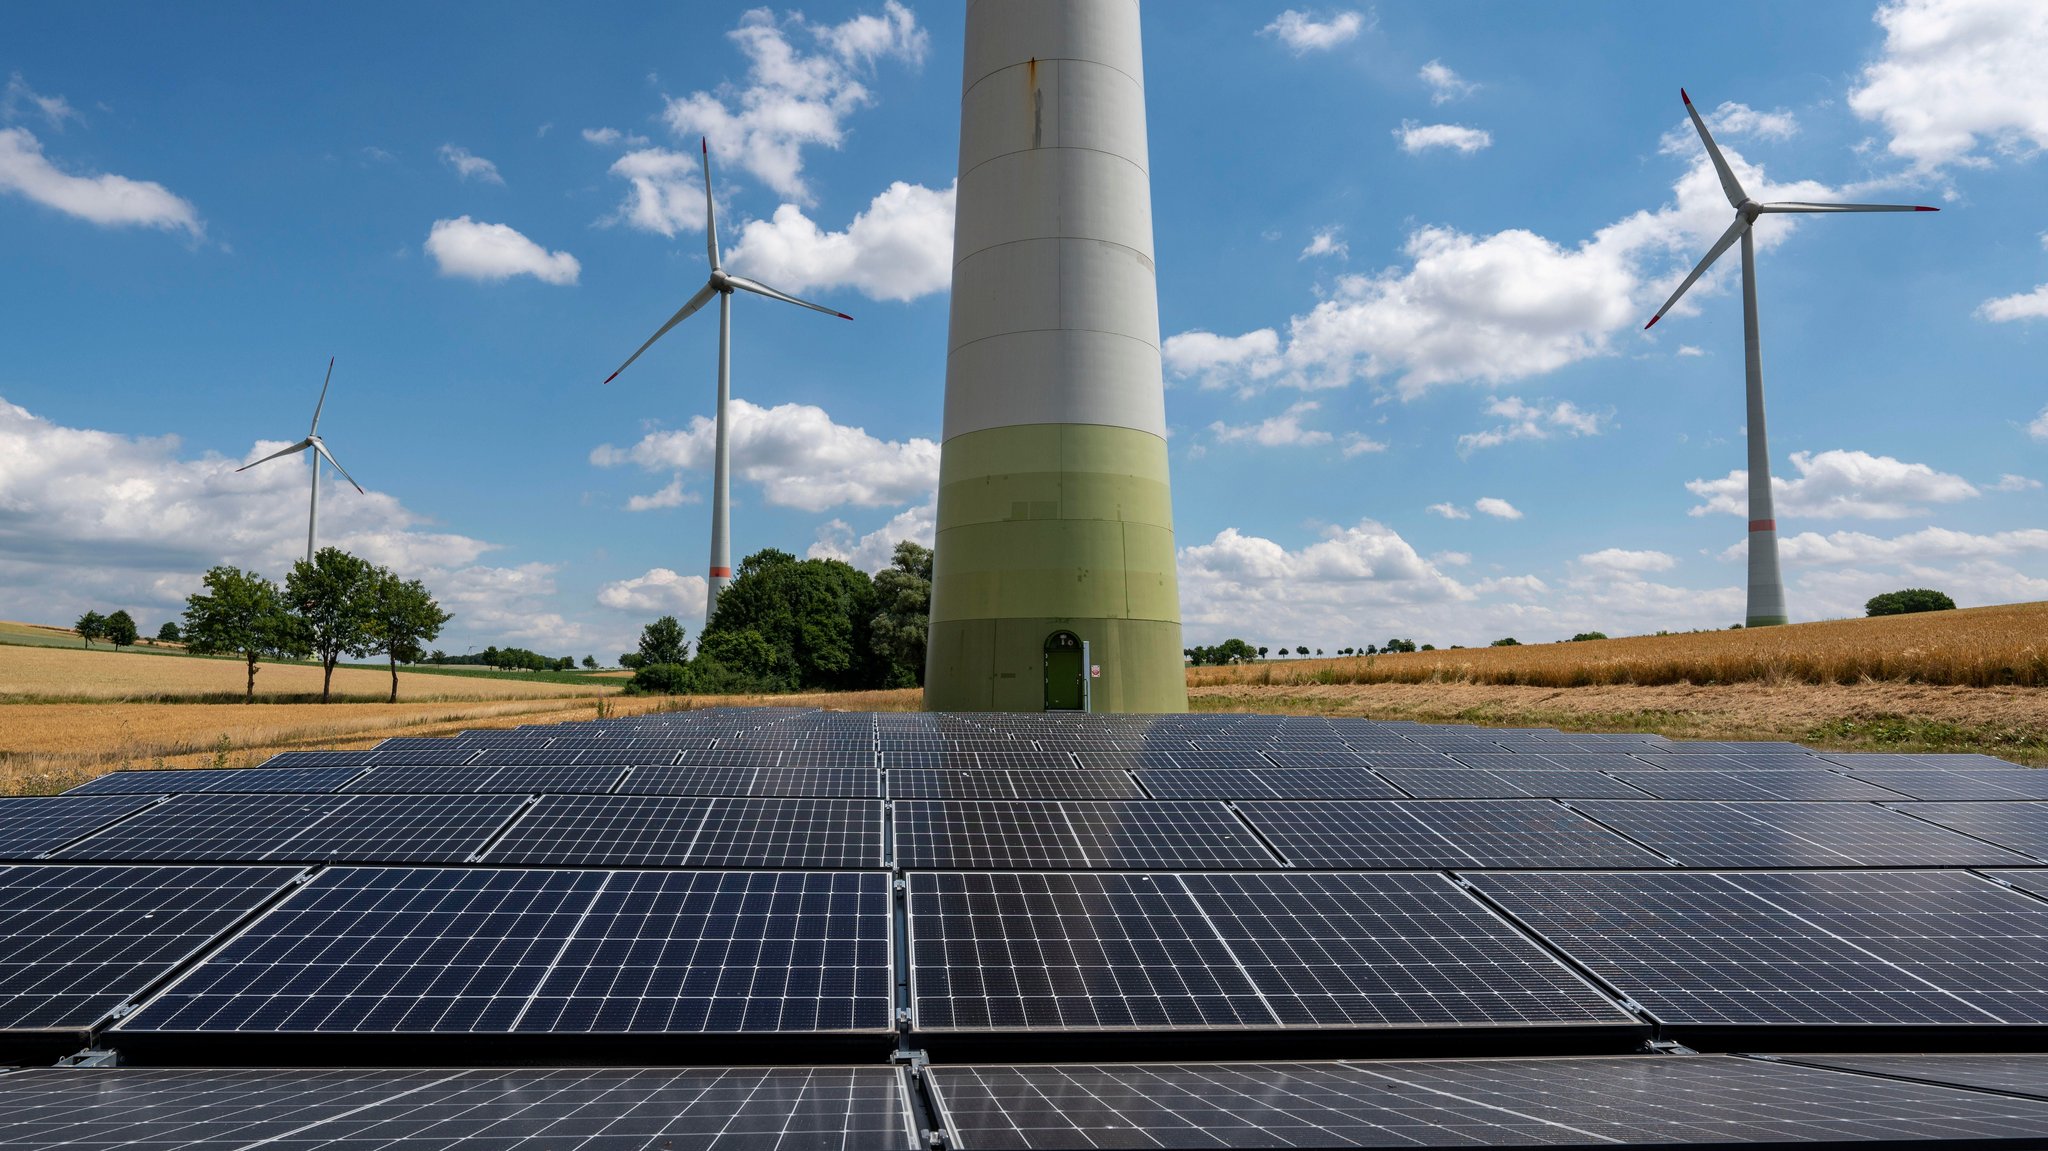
x: 785, y: 624
x: 339, y: 604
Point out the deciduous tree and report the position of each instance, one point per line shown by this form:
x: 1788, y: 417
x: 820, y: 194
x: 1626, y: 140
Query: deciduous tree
x: 240, y: 613
x: 403, y: 618
x: 899, y: 629
x: 121, y: 630
x: 334, y: 598
x: 664, y: 641
x: 90, y: 626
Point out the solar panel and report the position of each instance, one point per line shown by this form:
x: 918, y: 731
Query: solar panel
x: 1318, y: 757
x: 845, y: 782
x: 1472, y: 783
x: 486, y: 780
x: 442, y: 756
x: 1057, y: 783
x: 515, y: 1109
x: 1940, y: 761
x: 1209, y: 782
x: 408, y: 950
x: 736, y: 758
x: 1389, y: 951
x: 302, y: 829
x: 76, y: 942
x: 34, y: 826
x: 1078, y: 833
x: 2021, y: 826
x: 1790, y: 835
x: 1800, y: 947
x: 311, y: 780
x: 603, y: 830
x: 1074, y: 952
x: 1440, y: 833
x: 789, y: 833
x: 2035, y: 881
x: 2013, y: 1074
x: 984, y: 760
x: 1416, y: 757
x: 1806, y: 784
x: 1933, y: 783
x: 318, y: 759
x: 1629, y: 1100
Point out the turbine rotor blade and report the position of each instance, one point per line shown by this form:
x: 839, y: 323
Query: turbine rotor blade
x: 295, y: 449
x: 1798, y: 206
x: 1728, y: 237
x: 329, y: 457
x: 1729, y: 185
x: 703, y: 295
x: 761, y: 289
x: 710, y: 209
x: 323, y: 396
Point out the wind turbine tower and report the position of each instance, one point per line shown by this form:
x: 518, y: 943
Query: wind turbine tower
x: 1055, y: 517
x: 723, y: 285
x: 1766, y: 588
x: 318, y: 447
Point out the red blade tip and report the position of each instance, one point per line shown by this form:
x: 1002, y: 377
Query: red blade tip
x: 1684, y: 97
x: 842, y: 315
x: 613, y: 376
x: 1924, y: 208
x: 704, y: 142
x: 1653, y: 321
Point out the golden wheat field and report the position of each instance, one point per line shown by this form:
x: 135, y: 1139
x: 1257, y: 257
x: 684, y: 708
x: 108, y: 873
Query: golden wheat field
x: 55, y: 673
x: 1974, y: 647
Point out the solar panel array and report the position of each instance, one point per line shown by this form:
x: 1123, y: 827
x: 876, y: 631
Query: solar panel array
x: 814, y: 884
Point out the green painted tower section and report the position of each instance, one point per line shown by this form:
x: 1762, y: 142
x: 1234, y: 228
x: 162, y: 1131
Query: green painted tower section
x: 1055, y: 513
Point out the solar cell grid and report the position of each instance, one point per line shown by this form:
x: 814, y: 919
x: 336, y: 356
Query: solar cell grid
x: 1440, y: 833
x: 2013, y: 1074
x: 1388, y: 951
x: 444, y: 756
x: 1472, y: 783
x: 2019, y: 825
x: 485, y: 780
x: 1965, y: 784
x: 78, y: 941
x: 1419, y: 757
x: 314, y: 780
x: 730, y: 757
x: 603, y: 830
x: 198, y: 828
x: 317, y: 759
x: 1009, y: 951
x: 1790, y: 835
x: 303, y: 829
x: 847, y: 782
x: 1780, y: 948
x: 789, y: 833
x: 1125, y: 759
x: 1808, y: 784
x: 2032, y: 881
x: 355, y: 1109
x: 1950, y: 761
x: 1071, y: 783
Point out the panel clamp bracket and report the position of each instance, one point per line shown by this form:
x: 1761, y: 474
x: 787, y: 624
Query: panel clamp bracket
x: 92, y: 1057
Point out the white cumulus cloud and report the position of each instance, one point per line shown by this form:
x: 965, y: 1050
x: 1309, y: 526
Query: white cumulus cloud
x: 1730, y: 121
x: 469, y: 165
x: 1838, y: 483
x: 877, y: 549
x: 1284, y: 430
x: 665, y: 195
x: 1625, y: 560
x: 2020, y: 306
x: 1416, y: 138
x: 799, y: 456
x: 1957, y: 78
x: 1326, y: 243
x: 2015, y: 483
x: 1303, y: 33
x: 671, y: 496
x: 1497, y: 508
x: 54, y: 110
x: 107, y: 200
x: 1498, y: 307
x: 803, y: 80
x: 657, y: 592
x: 1538, y: 421
x: 477, y: 251
x: 1217, y: 360
x: 1444, y: 84
x: 1449, y: 511
x: 2039, y: 428
x: 900, y: 248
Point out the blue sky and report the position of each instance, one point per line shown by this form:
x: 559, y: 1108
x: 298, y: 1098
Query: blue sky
x: 1404, y: 254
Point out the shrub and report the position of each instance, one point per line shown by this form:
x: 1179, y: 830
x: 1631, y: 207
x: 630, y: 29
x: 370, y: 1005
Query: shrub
x: 1510, y: 641
x: 1908, y: 601
x: 1586, y: 635
x: 660, y: 679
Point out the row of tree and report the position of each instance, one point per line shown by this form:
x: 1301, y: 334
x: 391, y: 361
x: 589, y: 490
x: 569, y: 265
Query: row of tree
x: 117, y: 628
x: 511, y: 659
x: 786, y: 624
x: 337, y: 605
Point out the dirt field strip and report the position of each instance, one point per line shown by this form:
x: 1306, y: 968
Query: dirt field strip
x: 51, y: 674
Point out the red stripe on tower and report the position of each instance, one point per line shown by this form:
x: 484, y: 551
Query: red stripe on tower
x: 1763, y: 525
x: 725, y: 572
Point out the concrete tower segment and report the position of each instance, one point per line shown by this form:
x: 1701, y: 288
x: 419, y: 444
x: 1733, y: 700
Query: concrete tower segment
x: 1055, y: 516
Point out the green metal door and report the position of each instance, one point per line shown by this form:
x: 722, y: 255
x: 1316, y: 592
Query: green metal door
x: 1063, y: 672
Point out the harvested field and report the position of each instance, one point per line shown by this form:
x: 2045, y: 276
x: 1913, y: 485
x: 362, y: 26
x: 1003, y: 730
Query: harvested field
x: 2011, y: 722
x: 75, y: 674
x: 1975, y: 647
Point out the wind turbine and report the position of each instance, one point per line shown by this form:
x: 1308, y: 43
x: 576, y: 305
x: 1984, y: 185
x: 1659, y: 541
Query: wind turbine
x: 320, y: 452
x: 721, y: 284
x: 1766, y: 589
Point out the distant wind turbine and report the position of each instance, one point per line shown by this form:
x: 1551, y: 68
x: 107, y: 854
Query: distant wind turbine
x: 722, y: 285
x: 320, y: 452
x: 1766, y: 589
